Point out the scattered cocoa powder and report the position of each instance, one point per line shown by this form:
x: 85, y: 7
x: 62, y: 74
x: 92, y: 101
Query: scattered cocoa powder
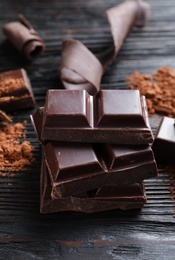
x: 158, y: 88
x: 14, y: 153
x: 8, y: 84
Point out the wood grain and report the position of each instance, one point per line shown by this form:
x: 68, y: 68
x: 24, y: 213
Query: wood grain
x: 138, y: 234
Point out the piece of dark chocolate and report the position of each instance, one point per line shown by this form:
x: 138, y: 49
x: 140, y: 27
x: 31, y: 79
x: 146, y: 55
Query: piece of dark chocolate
x: 75, y: 168
x: 105, y: 198
x: 25, y: 39
x: 15, y: 91
x: 75, y: 116
x: 80, y: 68
x: 164, y: 142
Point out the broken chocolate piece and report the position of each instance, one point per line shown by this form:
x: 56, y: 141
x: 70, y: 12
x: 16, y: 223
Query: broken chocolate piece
x: 26, y: 40
x: 74, y: 116
x: 15, y: 91
x: 105, y: 198
x: 164, y: 143
x: 76, y: 168
x: 80, y: 68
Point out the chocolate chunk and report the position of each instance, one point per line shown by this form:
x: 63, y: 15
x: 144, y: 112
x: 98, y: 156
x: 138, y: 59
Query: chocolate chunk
x: 79, y: 68
x: 25, y: 39
x: 75, y: 168
x: 164, y: 143
x: 74, y: 116
x: 105, y: 198
x: 16, y: 91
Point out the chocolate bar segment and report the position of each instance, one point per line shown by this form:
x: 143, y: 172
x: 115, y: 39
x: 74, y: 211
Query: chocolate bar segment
x: 24, y: 38
x: 16, y: 91
x: 75, y: 168
x: 69, y: 160
x: 164, y: 143
x: 110, y: 109
x: 67, y: 109
x: 80, y: 68
x: 74, y: 116
x: 106, y: 198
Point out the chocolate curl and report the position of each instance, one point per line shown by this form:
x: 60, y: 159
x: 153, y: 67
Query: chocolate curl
x: 24, y: 38
x: 76, y: 75
x: 79, y: 68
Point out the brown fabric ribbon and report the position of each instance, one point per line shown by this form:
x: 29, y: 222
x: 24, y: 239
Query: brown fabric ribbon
x: 24, y: 38
x: 80, y: 68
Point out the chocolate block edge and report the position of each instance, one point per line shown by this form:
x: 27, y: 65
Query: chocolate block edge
x: 86, y: 205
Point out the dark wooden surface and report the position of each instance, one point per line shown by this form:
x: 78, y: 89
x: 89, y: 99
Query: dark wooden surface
x: 142, y: 234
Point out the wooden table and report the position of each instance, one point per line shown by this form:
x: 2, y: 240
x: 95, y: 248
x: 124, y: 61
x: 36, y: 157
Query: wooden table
x: 139, y: 234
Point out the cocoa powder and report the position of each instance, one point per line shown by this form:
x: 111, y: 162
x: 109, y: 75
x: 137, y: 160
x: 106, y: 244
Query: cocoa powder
x: 159, y: 90
x: 14, y: 153
x: 8, y: 85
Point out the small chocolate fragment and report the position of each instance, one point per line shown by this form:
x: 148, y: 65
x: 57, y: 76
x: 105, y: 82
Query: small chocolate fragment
x: 80, y: 68
x: 4, y: 117
x: 15, y: 91
x: 164, y: 143
x: 74, y: 116
x: 75, y: 168
x: 105, y: 198
x: 26, y: 40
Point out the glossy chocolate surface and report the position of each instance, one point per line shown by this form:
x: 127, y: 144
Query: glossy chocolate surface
x: 74, y: 116
x: 164, y: 143
x: 79, y: 167
x: 105, y: 198
x: 16, y: 91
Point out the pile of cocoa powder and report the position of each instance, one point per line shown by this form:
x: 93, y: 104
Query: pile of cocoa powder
x: 14, y: 153
x: 159, y: 90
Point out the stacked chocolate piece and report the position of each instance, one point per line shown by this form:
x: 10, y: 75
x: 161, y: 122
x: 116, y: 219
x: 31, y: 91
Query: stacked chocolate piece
x: 96, y: 150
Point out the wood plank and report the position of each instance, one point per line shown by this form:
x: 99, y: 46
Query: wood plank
x: 137, y: 234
